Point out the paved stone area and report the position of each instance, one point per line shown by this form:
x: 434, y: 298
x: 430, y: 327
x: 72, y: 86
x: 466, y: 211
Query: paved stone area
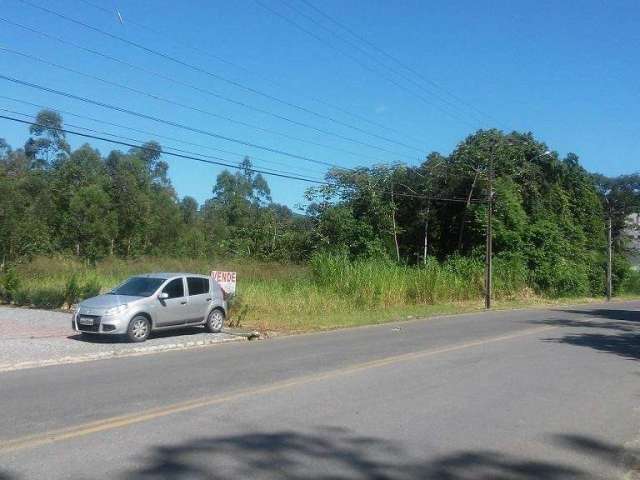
x: 32, y: 338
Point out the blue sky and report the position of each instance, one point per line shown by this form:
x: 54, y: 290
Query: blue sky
x: 567, y: 71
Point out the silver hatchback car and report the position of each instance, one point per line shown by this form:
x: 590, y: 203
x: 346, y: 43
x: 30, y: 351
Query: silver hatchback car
x: 155, y: 301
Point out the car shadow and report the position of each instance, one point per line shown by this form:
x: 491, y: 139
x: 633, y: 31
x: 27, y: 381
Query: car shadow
x: 100, y: 338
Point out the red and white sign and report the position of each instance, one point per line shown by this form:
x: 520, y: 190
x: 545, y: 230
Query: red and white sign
x: 226, y: 280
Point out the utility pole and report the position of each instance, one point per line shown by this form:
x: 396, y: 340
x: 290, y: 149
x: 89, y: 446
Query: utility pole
x: 393, y: 218
x: 609, y: 260
x: 426, y: 234
x: 609, y: 247
x: 489, y: 239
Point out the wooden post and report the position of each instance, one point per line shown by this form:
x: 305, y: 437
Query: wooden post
x: 489, y: 239
x: 609, y: 260
x: 393, y: 218
x: 426, y: 234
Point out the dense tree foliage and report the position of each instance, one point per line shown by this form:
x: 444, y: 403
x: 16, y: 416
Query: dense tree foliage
x: 81, y: 203
x: 549, y: 212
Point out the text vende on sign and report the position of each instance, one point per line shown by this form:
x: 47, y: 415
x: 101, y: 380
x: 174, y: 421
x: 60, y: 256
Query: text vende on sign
x: 226, y: 280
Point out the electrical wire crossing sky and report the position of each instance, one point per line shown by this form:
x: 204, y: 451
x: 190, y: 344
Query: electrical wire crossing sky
x: 301, y: 86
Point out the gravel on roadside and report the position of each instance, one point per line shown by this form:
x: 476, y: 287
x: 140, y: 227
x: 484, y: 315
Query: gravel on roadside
x: 31, y: 338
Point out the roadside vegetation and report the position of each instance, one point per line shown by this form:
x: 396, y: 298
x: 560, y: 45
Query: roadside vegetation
x: 373, y: 243
x: 332, y: 291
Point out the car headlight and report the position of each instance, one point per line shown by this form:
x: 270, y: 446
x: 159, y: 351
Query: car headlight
x: 116, y: 310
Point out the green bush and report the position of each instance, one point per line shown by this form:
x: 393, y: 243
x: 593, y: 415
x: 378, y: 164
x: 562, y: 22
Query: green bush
x: 91, y: 288
x: 631, y: 283
x: 9, y: 285
x: 72, y: 290
x: 47, y: 297
x: 21, y: 297
x: 238, y: 311
x: 562, y: 279
x: 510, y: 276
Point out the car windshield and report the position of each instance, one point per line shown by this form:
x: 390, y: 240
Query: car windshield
x: 138, y: 287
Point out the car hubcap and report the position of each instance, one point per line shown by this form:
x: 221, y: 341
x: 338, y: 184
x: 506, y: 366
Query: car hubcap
x: 140, y: 329
x: 216, y: 320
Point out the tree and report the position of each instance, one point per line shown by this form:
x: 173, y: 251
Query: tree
x: 129, y: 189
x: 189, y: 210
x: 83, y: 168
x: 48, y: 142
x: 5, y: 150
x: 548, y: 223
x: 95, y: 224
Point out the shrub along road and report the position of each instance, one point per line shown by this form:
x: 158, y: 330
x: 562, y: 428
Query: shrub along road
x: 528, y: 394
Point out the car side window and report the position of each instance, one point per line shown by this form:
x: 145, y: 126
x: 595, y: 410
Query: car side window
x: 174, y: 288
x: 197, y: 285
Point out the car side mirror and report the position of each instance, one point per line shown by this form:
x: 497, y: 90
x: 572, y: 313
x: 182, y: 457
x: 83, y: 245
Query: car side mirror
x: 163, y: 296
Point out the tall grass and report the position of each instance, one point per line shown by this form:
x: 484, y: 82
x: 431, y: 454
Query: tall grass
x: 379, y: 283
x: 274, y: 296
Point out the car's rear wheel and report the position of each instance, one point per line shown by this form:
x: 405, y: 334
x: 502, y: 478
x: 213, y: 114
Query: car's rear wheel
x: 215, y: 321
x: 139, y: 329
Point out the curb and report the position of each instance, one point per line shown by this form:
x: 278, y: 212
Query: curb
x: 130, y: 352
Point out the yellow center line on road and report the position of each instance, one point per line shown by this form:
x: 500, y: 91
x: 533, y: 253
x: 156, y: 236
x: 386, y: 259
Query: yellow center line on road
x: 111, y: 423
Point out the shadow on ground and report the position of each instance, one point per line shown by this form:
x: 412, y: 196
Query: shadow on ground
x: 628, y: 458
x: 335, y: 453
x: 619, y: 330
x: 99, y: 338
x: 626, y: 345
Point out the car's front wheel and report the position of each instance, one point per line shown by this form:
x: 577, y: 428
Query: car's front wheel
x: 215, y: 320
x: 139, y: 329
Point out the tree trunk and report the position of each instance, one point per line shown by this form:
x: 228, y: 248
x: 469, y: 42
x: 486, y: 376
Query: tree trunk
x: 464, y: 212
x: 273, y: 240
x: 77, y: 249
x: 111, y: 248
x: 393, y: 219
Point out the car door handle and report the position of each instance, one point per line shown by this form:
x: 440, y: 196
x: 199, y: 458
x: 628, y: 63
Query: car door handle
x: 208, y: 299
x: 183, y: 302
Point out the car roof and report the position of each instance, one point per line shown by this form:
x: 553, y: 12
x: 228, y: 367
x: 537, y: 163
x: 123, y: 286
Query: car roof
x: 167, y: 275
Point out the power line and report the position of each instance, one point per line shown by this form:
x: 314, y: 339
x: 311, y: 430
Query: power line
x: 164, y: 121
x: 195, y: 68
x: 363, y: 65
x: 397, y: 61
x: 333, y: 33
x: 145, y: 132
x: 206, y: 53
x: 163, y: 148
x: 220, y: 162
x: 219, y: 96
x: 196, y: 109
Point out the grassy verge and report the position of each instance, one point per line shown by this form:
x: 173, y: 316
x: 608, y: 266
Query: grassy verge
x: 329, y: 293
x: 347, y: 319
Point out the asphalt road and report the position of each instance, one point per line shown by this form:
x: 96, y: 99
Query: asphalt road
x: 538, y: 394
